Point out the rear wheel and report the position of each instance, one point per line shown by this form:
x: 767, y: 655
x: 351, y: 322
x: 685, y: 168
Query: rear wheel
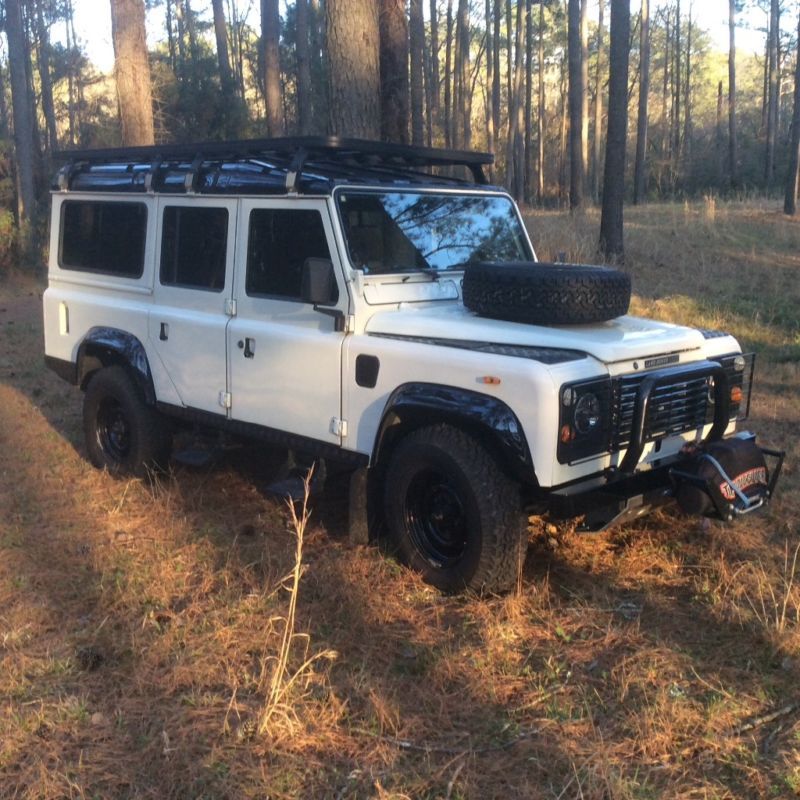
x: 123, y: 434
x: 452, y: 514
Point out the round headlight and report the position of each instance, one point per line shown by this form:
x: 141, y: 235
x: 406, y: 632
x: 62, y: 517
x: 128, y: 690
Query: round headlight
x: 587, y: 413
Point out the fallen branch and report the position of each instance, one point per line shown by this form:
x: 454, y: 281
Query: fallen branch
x: 766, y: 718
x: 426, y: 747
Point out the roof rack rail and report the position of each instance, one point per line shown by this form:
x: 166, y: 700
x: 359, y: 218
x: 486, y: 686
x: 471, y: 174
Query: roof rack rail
x: 296, y: 151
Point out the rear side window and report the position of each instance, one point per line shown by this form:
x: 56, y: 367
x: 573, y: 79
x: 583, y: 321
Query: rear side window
x: 193, y: 247
x: 279, y: 243
x: 103, y: 237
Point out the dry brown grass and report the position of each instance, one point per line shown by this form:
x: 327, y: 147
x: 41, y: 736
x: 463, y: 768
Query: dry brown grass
x: 141, y: 625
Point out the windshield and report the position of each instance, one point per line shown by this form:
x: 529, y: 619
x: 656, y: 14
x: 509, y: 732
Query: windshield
x: 412, y: 231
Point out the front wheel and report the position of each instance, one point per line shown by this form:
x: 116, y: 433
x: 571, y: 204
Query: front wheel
x: 123, y: 434
x: 451, y: 513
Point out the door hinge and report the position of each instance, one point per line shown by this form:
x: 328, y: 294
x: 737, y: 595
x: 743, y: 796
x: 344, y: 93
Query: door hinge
x: 230, y: 307
x: 225, y: 399
x: 339, y: 427
x: 349, y: 324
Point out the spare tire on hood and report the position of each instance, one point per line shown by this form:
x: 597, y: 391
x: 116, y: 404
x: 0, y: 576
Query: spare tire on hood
x: 542, y: 293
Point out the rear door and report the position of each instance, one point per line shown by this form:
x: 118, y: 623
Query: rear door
x: 192, y: 292
x: 285, y: 357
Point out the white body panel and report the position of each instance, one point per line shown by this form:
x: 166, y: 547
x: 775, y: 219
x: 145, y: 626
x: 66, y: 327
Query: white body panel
x: 619, y: 339
x: 186, y: 327
x: 292, y: 382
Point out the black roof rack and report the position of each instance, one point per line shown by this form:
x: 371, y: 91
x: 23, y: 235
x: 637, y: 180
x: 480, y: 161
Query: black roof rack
x: 308, y: 164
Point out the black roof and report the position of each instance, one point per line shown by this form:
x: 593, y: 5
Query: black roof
x: 305, y: 164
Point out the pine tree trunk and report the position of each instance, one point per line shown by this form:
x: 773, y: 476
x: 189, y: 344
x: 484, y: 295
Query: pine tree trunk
x: 465, y: 104
x: 509, y: 56
x: 46, y: 82
x: 790, y: 197
x: 354, y: 73
x: 598, y: 107
x: 79, y: 83
x: 3, y: 106
x: 132, y: 72
x: 576, y: 94
x: 223, y: 57
x: 270, y: 46
x: 687, y: 99
x: 720, y: 135
x: 18, y: 53
x: 490, y: 144
x: 435, y: 89
x: 541, y: 105
x: 519, y: 118
x: 173, y: 61
x: 528, y: 192
x: 772, y: 94
x: 304, y: 105
x: 457, y: 99
x: 666, y: 119
x: 733, y: 155
x: 394, y: 70
x: 562, y: 139
x: 417, y: 48
x: 639, y: 181
x: 319, y: 65
x: 676, y: 103
x: 448, y: 78
x: 428, y: 74
x: 498, y: 21
x: 71, y: 101
x: 585, y: 84
x: 611, y: 220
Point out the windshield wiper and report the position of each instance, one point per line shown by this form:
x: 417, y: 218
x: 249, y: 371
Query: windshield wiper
x: 432, y: 273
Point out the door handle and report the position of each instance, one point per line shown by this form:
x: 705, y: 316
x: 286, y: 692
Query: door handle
x: 164, y: 332
x: 249, y: 347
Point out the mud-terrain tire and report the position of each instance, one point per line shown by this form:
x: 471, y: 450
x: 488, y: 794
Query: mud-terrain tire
x: 546, y: 294
x: 123, y: 434
x: 451, y: 514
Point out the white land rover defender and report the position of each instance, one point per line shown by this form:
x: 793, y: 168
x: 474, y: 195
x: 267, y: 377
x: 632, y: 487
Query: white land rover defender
x: 341, y: 298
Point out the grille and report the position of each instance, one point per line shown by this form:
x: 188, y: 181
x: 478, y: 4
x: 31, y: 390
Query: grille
x: 674, y: 408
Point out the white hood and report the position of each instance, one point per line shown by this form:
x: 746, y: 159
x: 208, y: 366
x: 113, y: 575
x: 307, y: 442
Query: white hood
x: 620, y: 339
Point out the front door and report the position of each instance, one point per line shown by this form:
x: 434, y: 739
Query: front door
x: 284, y: 357
x: 192, y: 293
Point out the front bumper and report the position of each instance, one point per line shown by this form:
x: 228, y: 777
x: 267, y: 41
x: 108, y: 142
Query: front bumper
x: 625, y: 496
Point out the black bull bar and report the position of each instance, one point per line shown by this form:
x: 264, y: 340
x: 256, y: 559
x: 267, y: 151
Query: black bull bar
x: 628, y: 494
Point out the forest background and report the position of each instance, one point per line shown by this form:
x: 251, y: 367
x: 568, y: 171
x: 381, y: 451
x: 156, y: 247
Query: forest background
x: 532, y: 82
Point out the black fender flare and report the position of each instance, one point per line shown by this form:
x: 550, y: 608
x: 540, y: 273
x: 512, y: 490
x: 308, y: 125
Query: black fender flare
x: 490, y: 420
x: 102, y: 347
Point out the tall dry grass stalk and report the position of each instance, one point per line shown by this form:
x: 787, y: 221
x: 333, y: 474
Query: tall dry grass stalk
x: 775, y: 608
x: 277, y: 708
x: 709, y: 207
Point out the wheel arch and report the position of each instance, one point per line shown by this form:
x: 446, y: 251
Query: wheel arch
x: 105, y: 347
x: 416, y: 405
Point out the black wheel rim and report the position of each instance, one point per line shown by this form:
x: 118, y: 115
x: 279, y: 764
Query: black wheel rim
x: 435, y: 518
x: 113, y: 429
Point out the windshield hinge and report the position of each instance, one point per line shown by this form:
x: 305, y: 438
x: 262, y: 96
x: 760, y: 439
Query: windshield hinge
x: 225, y: 399
x: 230, y: 307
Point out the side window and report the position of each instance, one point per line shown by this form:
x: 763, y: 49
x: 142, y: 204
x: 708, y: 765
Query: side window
x: 193, y: 247
x: 103, y: 237
x: 279, y: 243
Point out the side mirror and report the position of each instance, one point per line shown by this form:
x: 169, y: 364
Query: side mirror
x: 318, y: 283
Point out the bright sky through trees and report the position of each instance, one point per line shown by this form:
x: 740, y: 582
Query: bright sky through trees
x: 93, y: 24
